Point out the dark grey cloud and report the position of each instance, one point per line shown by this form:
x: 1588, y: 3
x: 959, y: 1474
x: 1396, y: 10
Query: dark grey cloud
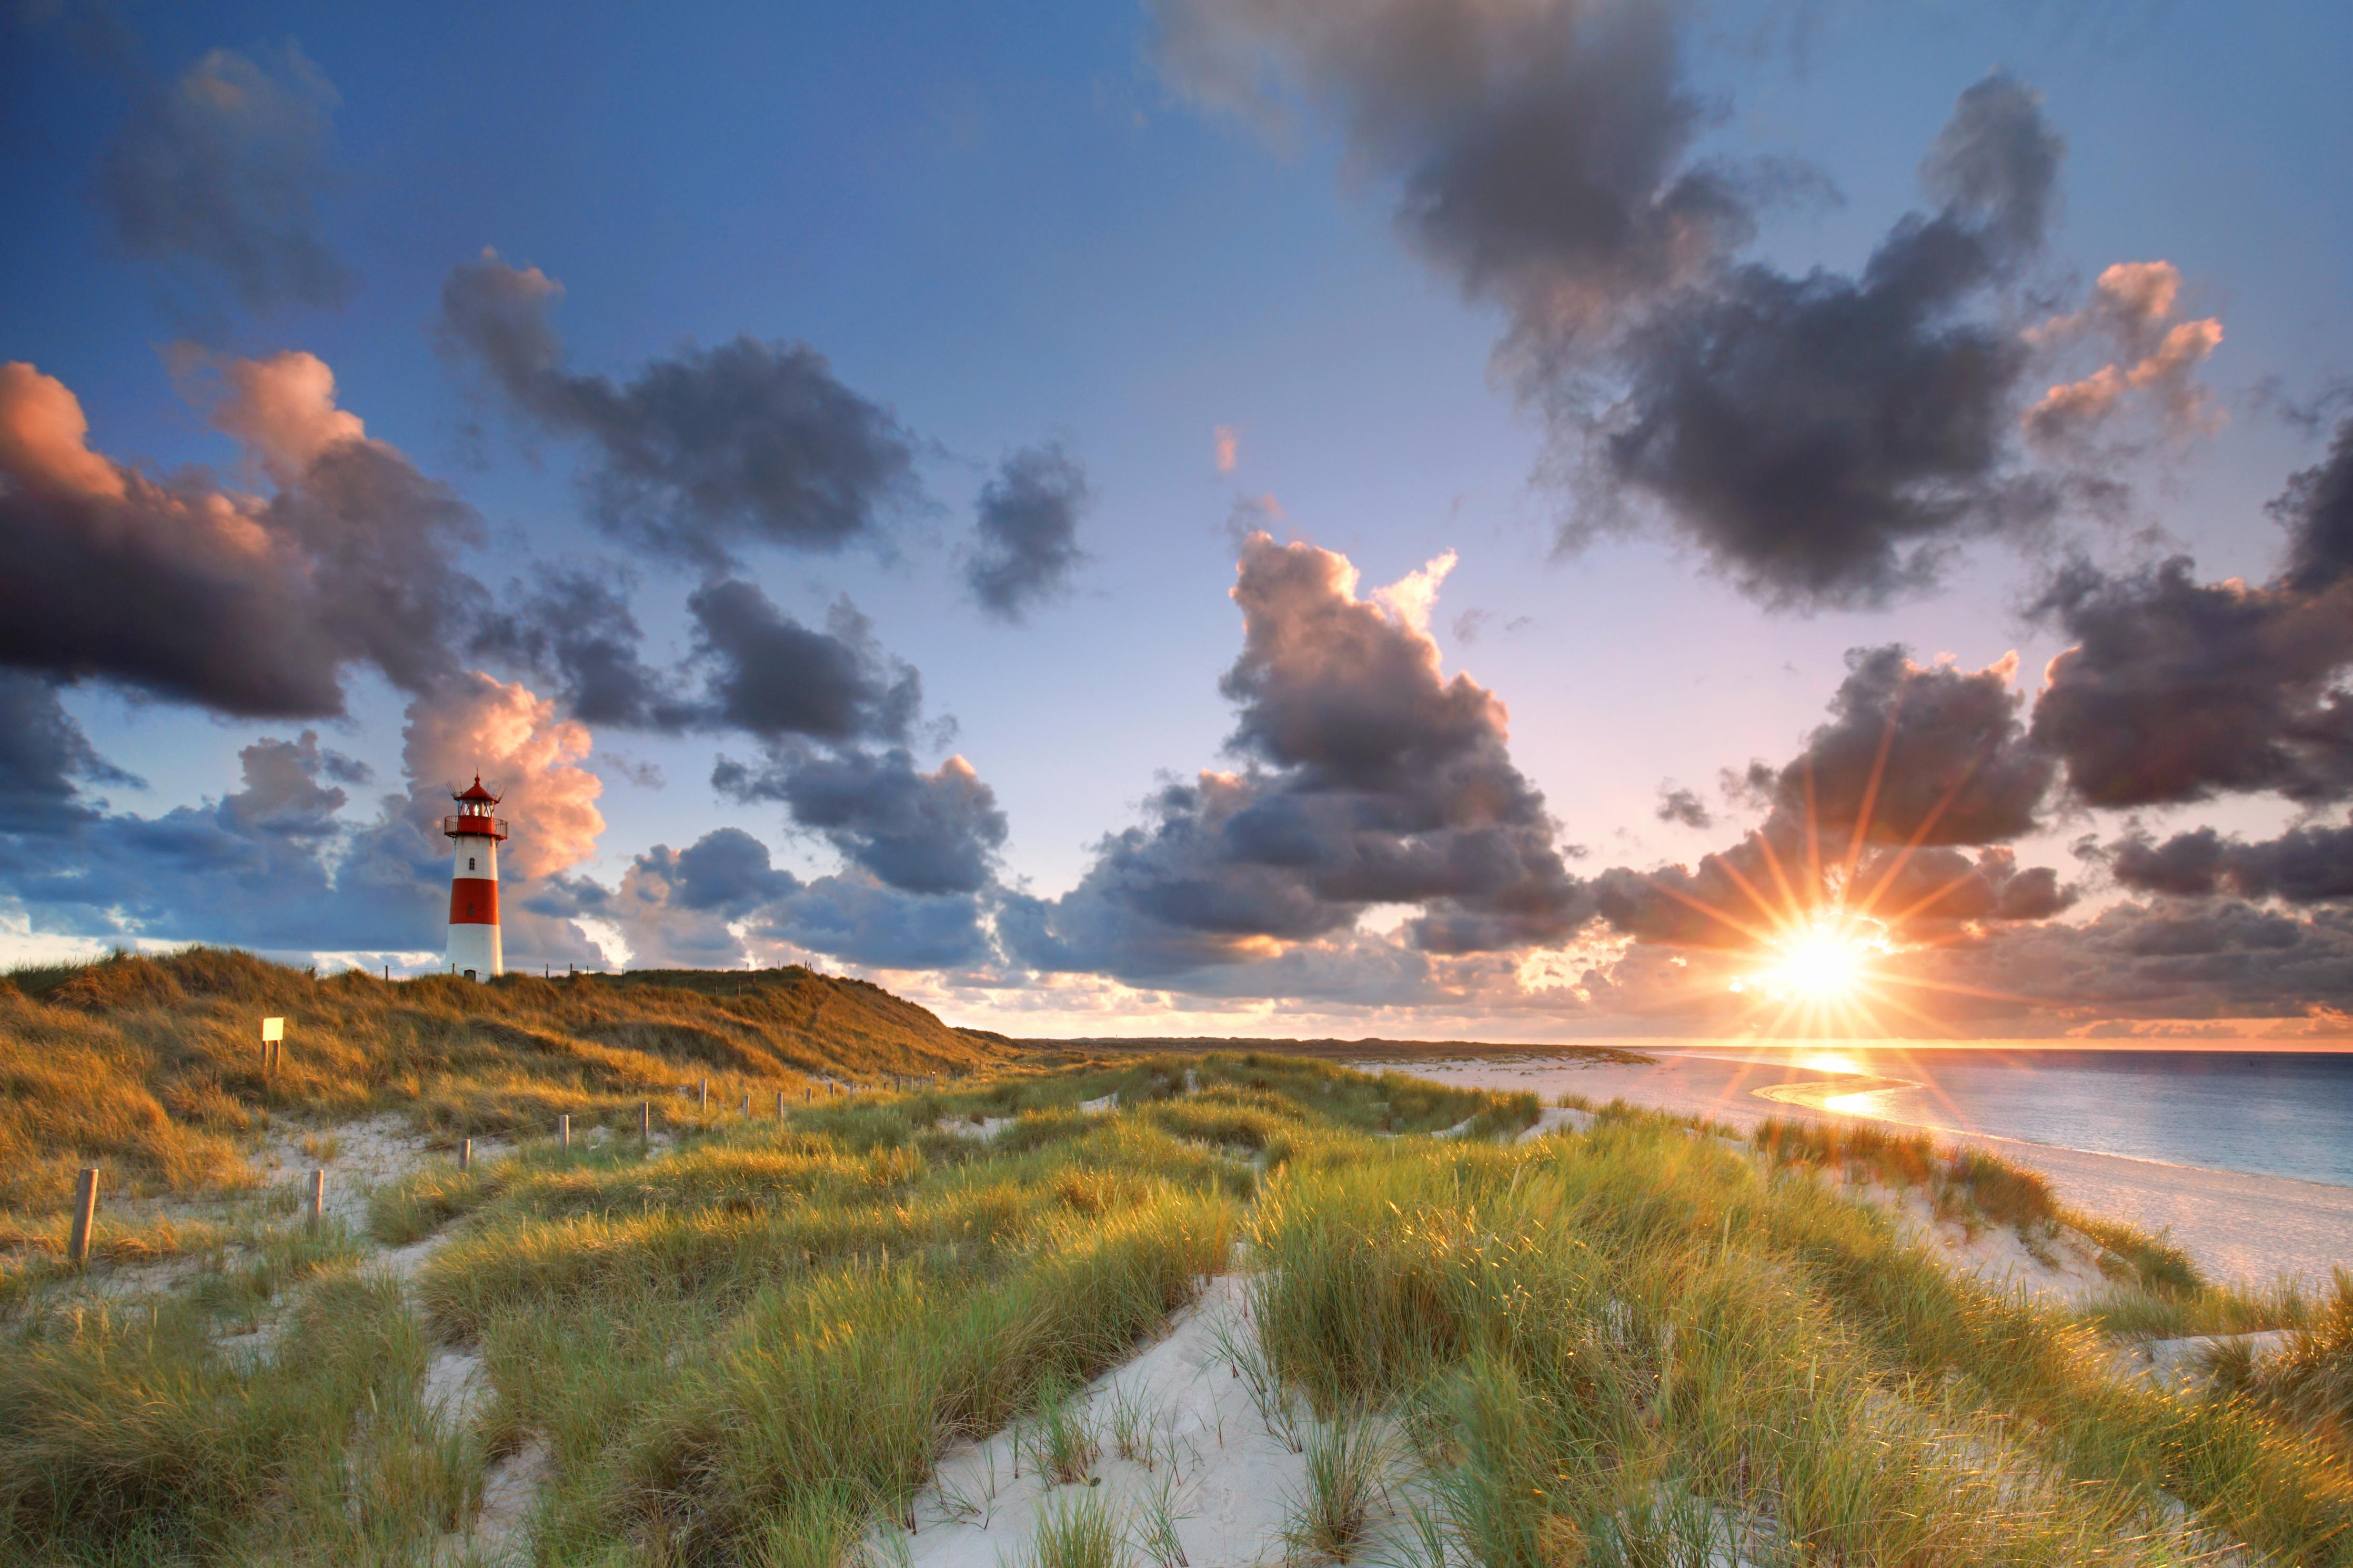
x: 1681, y: 806
x: 574, y: 628
x: 771, y: 677
x: 1368, y: 779
x: 697, y: 906
x: 2305, y: 865
x: 1028, y: 525
x: 1916, y: 762
x: 679, y: 907
x: 751, y: 668
x: 1823, y: 439
x: 222, y: 170
x: 1931, y: 753
x: 860, y: 919
x: 2179, y: 689
x: 182, y: 588
x: 45, y: 758
x: 921, y: 833
x: 1541, y: 153
x: 1767, y: 887
x: 705, y: 452
x: 2209, y: 960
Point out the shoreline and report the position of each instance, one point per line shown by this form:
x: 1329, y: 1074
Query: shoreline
x: 2237, y: 1225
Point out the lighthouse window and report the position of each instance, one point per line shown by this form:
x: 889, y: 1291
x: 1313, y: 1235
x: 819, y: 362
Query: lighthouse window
x: 469, y: 862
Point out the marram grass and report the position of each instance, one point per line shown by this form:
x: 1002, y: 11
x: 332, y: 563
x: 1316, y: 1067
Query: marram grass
x: 749, y: 1345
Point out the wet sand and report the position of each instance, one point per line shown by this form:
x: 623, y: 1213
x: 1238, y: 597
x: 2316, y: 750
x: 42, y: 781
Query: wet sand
x: 2237, y: 1227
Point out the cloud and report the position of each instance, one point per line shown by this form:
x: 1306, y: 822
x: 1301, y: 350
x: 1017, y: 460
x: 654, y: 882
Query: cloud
x: 1682, y: 805
x: 222, y: 170
x: 921, y: 833
x: 1028, y: 524
x: 679, y: 907
x: 1368, y: 778
x: 1824, y: 440
x: 2179, y: 689
x: 574, y: 627
x: 474, y: 724
x: 718, y: 902
x: 276, y: 864
x: 1412, y: 597
x: 2222, y: 959
x: 2305, y: 865
x: 2132, y: 309
x: 1540, y: 152
x: 1926, y: 754
x: 43, y: 754
x: 187, y: 589
x: 1916, y: 762
x: 702, y: 453
x: 771, y: 677
x: 1226, y: 448
x: 860, y: 919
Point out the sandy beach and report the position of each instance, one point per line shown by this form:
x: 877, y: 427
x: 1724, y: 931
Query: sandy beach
x: 2237, y: 1227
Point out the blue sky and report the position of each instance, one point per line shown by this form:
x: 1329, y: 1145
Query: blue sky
x: 1011, y: 229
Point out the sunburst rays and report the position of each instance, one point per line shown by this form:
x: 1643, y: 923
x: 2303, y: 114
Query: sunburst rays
x: 1828, y: 962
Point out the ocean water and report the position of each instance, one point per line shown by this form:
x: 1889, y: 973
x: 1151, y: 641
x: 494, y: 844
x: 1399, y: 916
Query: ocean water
x: 2267, y: 1114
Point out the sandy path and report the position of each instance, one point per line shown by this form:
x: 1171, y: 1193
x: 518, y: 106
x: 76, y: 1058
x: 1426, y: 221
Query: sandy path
x: 2237, y: 1227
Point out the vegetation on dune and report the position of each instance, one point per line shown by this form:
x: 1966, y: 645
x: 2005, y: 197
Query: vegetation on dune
x: 150, y: 1066
x: 1637, y: 1346
x: 748, y: 1342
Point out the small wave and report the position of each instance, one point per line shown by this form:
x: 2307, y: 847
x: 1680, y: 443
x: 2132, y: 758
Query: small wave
x: 1827, y: 1094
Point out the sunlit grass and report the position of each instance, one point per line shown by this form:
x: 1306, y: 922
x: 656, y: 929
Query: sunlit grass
x: 749, y: 1344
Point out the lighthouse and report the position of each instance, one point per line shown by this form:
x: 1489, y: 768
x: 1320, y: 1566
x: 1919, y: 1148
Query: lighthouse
x: 474, y: 950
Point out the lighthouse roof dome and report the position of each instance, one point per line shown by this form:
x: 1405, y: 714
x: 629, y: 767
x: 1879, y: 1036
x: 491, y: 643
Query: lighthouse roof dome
x: 475, y: 793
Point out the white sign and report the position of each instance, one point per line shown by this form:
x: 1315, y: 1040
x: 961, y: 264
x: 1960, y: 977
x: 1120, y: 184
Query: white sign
x: 273, y: 1029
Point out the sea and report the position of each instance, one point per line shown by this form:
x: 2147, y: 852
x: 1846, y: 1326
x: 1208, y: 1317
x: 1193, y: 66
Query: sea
x: 2268, y: 1114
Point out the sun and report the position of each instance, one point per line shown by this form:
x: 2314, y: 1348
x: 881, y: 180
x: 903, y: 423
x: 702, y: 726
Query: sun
x: 1821, y: 962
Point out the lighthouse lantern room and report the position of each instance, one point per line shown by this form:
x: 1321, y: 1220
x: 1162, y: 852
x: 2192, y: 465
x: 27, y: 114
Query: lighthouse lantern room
x: 474, y: 950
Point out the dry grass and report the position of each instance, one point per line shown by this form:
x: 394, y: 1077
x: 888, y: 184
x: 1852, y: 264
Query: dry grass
x: 150, y: 1067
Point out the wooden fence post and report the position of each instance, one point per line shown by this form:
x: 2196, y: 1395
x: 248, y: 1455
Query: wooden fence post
x: 85, y: 1215
x: 705, y: 1107
x: 564, y: 1133
x: 465, y: 1154
x: 645, y: 1121
x: 780, y: 1105
x: 318, y: 1197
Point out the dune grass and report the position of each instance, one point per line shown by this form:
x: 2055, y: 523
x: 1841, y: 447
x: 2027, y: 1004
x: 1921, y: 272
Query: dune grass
x: 150, y: 1067
x: 749, y: 1343
x: 1636, y: 1345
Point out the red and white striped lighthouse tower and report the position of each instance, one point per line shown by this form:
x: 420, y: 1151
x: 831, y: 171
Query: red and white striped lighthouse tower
x: 474, y: 950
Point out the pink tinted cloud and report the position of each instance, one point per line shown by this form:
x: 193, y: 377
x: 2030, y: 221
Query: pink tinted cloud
x: 2132, y: 308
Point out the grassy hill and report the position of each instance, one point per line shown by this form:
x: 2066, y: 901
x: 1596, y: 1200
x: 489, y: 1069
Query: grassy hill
x: 152, y: 1066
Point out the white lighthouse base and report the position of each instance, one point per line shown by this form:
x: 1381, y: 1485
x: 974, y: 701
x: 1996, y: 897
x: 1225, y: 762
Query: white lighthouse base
x: 474, y: 951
